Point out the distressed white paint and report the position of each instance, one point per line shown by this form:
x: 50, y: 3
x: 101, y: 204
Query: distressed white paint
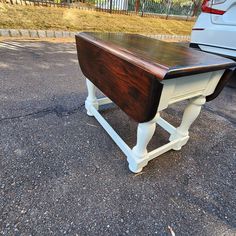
x: 195, y: 89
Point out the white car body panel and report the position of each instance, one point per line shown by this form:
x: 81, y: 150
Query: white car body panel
x: 217, y: 33
x: 229, y: 17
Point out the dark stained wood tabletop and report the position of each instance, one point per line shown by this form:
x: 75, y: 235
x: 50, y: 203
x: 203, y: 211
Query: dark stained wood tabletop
x: 164, y: 60
x: 129, y: 68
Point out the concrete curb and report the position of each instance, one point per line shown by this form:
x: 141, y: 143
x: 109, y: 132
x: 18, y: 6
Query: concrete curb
x: 169, y: 36
x: 66, y: 34
x: 36, y: 33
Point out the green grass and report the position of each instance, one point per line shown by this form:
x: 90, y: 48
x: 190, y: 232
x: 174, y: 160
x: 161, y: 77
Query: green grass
x: 31, y: 17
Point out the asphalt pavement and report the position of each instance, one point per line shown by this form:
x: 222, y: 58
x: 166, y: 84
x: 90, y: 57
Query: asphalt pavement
x: 61, y: 174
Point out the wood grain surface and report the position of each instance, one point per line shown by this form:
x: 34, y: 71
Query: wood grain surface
x: 134, y: 90
x: 162, y: 59
x: 129, y: 68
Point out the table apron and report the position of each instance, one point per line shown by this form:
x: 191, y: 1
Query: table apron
x: 180, y: 89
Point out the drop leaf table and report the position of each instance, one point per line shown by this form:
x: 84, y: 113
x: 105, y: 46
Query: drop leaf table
x: 143, y: 76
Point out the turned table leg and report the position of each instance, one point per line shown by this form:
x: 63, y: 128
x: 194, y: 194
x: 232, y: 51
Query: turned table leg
x: 91, y: 99
x: 191, y: 112
x: 139, y: 153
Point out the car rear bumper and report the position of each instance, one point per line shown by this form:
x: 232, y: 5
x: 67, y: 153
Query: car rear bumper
x: 219, y: 39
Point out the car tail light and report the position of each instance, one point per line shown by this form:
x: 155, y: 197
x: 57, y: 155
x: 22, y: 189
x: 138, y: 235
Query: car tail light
x: 207, y: 7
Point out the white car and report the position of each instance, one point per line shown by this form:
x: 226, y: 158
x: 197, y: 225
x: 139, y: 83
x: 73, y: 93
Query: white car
x: 215, y: 32
x: 215, y: 28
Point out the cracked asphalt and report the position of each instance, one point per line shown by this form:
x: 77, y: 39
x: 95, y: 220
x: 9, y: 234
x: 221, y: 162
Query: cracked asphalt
x: 61, y: 174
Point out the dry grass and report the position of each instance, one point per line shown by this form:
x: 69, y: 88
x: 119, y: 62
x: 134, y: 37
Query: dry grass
x: 30, y: 17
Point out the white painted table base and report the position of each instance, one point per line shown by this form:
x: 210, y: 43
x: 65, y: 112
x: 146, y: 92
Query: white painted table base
x: 195, y: 89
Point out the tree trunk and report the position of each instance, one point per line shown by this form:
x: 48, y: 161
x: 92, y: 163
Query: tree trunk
x: 137, y: 6
x: 196, y: 5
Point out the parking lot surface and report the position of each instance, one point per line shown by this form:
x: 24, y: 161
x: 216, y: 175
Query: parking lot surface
x: 61, y: 174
